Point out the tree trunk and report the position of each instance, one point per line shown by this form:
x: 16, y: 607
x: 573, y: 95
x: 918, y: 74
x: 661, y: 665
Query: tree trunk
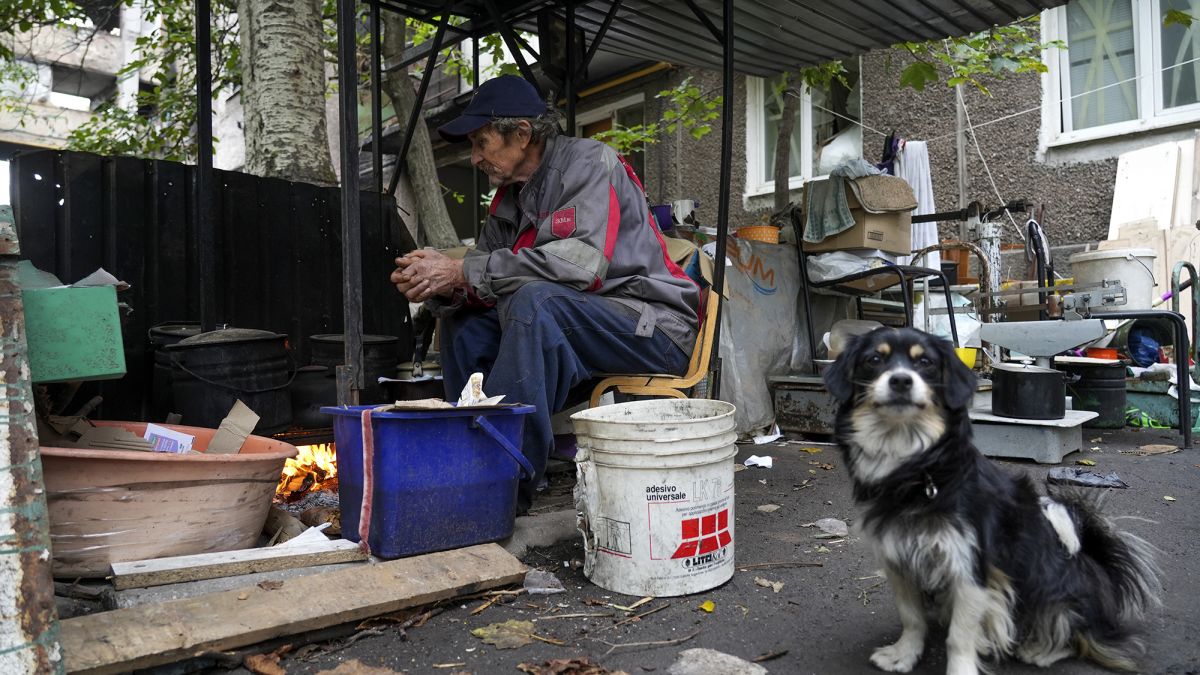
x: 283, y: 90
x: 432, y: 216
x: 783, y: 148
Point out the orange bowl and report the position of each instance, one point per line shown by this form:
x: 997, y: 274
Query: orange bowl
x: 1102, y: 353
x: 765, y: 233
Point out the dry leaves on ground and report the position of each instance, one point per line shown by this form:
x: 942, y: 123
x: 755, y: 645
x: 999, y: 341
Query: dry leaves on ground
x: 766, y: 583
x: 356, y: 667
x: 263, y: 664
x: 579, y: 666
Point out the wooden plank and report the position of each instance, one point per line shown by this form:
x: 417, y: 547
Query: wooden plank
x: 177, y: 569
x: 141, y: 637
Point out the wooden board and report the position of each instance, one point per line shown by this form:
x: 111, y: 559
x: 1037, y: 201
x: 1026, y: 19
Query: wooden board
x: 141, y: 637
x: 173, y: 570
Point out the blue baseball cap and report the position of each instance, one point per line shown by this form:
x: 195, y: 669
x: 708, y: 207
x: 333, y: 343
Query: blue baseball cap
x: 504, y: 96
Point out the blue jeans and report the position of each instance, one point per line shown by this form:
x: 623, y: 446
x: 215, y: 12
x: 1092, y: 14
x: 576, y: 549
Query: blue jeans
x: 543, y: 341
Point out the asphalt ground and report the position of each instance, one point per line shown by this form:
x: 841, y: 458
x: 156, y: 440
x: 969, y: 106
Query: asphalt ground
x: 827, y: 616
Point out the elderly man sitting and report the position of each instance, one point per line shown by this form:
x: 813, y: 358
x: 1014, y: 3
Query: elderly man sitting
x: 570, y: 278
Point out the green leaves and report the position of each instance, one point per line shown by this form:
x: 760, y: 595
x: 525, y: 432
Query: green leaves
x: 916, y: 74
x: 687, y: 109
x: 968, y: 59
x: 1178, y: 17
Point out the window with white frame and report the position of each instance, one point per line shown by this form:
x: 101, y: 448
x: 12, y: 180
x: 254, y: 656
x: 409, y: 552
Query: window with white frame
x: 826, y: 131
x: 1122, y: 71
x: 627, y: 112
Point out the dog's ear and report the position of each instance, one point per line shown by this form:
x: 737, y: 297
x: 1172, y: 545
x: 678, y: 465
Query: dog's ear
x: 958, y: 381
x: 839, y: 377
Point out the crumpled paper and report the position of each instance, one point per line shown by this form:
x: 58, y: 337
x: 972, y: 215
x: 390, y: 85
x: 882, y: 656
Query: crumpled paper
x: 472, y: 394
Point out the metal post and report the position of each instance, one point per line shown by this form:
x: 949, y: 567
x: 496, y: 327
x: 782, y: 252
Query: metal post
x: 349, y: 375
x: 477, y: 217
x: 376, y: 104
x: 726, y: 171
x: 28, y: 621
x: 414, y: 115
x: 569, y: 84
x: 206, y: 229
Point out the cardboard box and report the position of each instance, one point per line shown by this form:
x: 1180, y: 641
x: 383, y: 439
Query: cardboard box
x: 881, y: 224
x: 73, y: 333
x: 875, y: 283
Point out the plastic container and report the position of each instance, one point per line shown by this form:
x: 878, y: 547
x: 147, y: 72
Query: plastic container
x: 443, y: 478
x: 1101, y: 389
x: 654, y: 490
x: 1131, y: 266
x: 111, y: 506
x: 662, y: 215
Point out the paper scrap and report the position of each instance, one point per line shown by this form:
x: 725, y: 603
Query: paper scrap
x: 765, y: 583
x: 769, y: 437
x: 769, y: 508
x: 766, y: 461
x: 168, y: 440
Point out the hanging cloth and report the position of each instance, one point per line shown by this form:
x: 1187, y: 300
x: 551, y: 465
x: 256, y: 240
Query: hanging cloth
x: 912, y: 164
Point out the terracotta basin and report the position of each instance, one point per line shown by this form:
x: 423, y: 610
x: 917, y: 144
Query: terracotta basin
x: 111, y: 506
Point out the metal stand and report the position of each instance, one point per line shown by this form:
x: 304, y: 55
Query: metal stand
x: 1182, y: 349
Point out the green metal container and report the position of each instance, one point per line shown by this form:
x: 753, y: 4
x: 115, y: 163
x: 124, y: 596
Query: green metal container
x: 73, y: 333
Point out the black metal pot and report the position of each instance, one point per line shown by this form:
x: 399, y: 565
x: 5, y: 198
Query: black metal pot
x: 1028, y: 392
x: 211, y: 371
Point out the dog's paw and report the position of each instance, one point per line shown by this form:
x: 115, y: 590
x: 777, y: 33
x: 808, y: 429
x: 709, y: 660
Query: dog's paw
x: 897, y: 658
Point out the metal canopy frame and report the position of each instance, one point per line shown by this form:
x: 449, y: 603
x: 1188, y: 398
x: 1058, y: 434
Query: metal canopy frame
x: 763, y: 37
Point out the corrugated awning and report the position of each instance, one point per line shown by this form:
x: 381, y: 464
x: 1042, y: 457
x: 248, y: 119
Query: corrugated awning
x: 770, y: 36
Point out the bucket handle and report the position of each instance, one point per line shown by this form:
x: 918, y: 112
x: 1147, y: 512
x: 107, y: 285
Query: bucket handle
x: 526, y: 467
x: 291, y: 362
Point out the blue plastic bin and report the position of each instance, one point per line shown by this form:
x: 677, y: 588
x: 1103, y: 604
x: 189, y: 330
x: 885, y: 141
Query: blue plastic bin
x: 443, y: 478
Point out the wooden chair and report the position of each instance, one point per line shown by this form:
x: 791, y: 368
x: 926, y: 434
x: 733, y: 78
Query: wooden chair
x: 671, y: 386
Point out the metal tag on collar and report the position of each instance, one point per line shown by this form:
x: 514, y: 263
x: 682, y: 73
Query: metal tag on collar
x: 930, y: 489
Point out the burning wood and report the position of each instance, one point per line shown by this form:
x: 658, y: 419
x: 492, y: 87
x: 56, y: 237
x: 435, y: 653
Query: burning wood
x: 313, y: 468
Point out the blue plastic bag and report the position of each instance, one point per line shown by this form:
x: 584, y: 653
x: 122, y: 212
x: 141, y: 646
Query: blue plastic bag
x: 1143, y: 347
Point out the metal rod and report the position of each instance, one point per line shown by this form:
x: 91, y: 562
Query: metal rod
x: 510, y: 39
x: 203, y: 181
x: 349, y: 375
x: 29, y: 628
x: 376, y: 101
x: 414, y: 115
x: 717, y: 34
x: 1181, y: 364
x: 726, y: 173
x: 477, y: 218
x: 569, y: 80
x: 1177, y: 289
x: 600, y: 32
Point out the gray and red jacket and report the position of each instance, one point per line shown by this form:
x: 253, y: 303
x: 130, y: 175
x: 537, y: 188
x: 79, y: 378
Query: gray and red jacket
x: 582, y: 221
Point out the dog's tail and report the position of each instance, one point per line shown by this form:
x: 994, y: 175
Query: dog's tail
x: 1126, y: 585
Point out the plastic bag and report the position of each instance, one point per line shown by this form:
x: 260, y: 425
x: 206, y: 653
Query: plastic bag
x: 1143, y: 346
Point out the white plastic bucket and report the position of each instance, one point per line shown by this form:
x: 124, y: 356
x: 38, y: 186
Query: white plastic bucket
x: 654, y: 492
x: 1133, y: 267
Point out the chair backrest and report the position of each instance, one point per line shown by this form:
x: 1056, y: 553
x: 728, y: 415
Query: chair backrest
x: 702, y: 352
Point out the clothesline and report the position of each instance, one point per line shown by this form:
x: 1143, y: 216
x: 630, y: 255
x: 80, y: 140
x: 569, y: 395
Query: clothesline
x: 1009, y: 116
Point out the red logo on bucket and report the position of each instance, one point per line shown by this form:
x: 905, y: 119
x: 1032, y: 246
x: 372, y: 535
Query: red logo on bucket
x: 704, y: 535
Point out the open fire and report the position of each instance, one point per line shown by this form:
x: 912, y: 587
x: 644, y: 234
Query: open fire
x: 313, y: 468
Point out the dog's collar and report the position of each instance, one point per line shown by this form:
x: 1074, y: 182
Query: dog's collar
x: 931, y: 490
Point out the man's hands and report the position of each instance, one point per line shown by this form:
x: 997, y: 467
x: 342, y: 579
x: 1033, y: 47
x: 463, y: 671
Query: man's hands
x: 424, y: 273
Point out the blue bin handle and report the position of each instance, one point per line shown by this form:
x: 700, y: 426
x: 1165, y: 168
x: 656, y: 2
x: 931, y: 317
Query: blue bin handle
x: 526, y: 467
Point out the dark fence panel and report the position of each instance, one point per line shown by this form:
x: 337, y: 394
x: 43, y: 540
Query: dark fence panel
x: 278, y: 252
